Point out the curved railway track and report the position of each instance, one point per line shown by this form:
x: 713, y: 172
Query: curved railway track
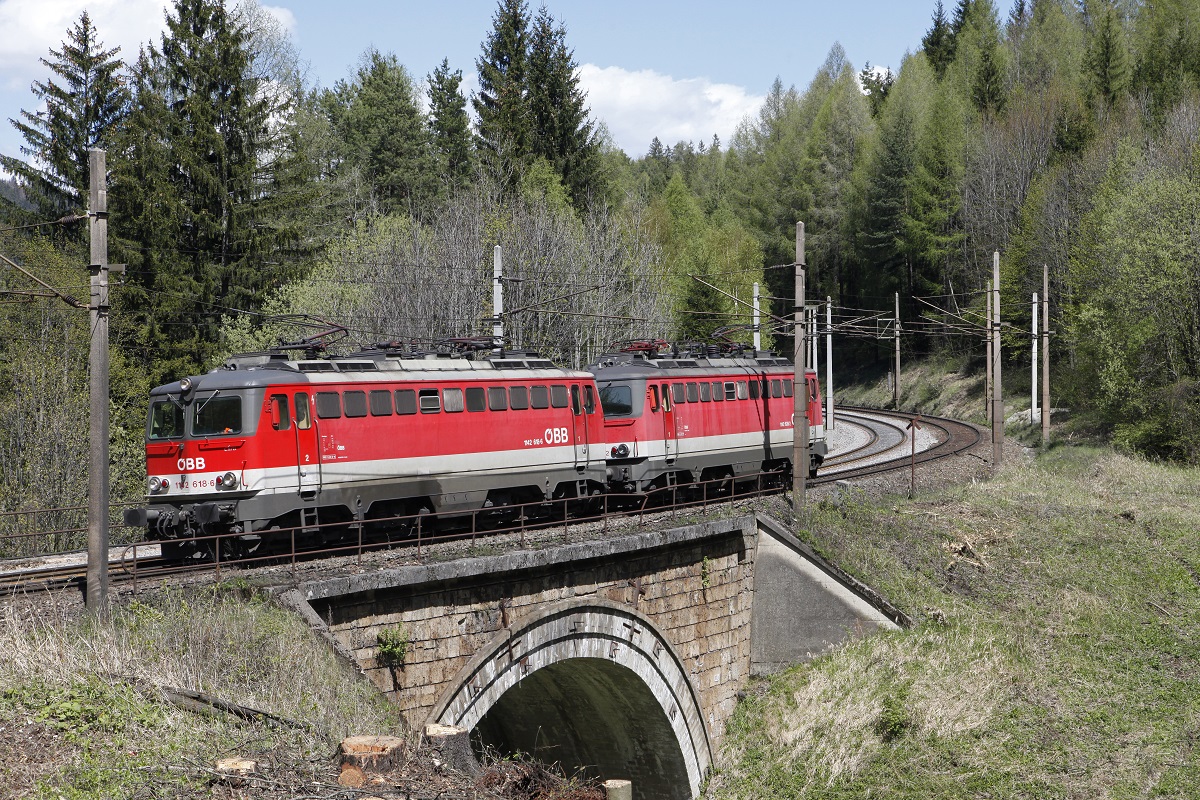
x: 883, y: 437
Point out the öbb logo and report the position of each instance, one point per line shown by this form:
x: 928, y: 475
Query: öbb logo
x: 189, y: 464
x: 556, y: 436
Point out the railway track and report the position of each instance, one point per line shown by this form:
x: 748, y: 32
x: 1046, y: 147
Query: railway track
x: 885, y: 447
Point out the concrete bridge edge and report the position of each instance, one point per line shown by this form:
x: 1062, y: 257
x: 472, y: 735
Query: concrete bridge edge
x: 697, y: 750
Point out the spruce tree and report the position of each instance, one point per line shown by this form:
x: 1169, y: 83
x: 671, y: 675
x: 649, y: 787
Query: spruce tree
x: 502, y: 103
x: 83, y: 108
x: 938, y: 42
x: 383, y: 131
x: 449, y: 127
x: 560, y: 132
x: 1105, y: 61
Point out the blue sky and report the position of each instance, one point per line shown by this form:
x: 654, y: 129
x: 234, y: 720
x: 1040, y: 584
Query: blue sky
x: 678, y: 71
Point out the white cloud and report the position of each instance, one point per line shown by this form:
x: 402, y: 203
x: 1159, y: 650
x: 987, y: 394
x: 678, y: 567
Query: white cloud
x: 637, y: 106
x: 284, y: 17
x: 30, y: 28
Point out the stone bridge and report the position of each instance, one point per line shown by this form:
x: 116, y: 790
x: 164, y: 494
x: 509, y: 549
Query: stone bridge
x: 626, y: 653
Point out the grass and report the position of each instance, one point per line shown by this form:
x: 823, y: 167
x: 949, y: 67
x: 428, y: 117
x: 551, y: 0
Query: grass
x: 78, y: 695
x: 1057, y: 653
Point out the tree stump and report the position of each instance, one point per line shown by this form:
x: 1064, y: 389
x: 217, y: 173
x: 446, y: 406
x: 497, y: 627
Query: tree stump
x: 455, y: 746
x: 373, y: 753
x: 233, y: 771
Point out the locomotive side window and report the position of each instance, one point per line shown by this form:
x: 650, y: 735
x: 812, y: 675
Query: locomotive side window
x: 476, y: 398
x: 281, y: 420
x: 539, y: 397
x: 742, y: 393
x: 693, y: 392
x: 776, y: 387
x: 617, y: 400
x: 406, y: 401
x: 678, y: 392
x: 381, y: 403
x: 329, y: 405
x: 429, y: 401
x: 787, y: 387
x: 731, y: 390
x: 705, y: 392
x: 558, y: 396
x: 497, y: 398
x: 652, y: 396
x: 166, y: 420
x: 589, y: 400
x: 518, y: 398
x: 718, y: 391
x: 217, y: 415
x: 303, y: 418
x: 754, y: 386
x: 452, y: 400
x: 354, y: 403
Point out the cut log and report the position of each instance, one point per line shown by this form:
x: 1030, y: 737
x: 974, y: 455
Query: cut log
x: 374, y: 753
x: 233, y: 771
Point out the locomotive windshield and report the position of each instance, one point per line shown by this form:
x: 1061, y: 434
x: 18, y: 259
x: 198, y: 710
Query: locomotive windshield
x: 216, y: 415
x: 617, y: 400
x: 166, y: 420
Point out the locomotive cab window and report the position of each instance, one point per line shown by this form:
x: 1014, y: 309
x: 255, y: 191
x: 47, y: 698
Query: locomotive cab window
x: 166, y: 420
x: 281, y: 420
x: 617, y: 400
x: 589, y: 400
x: 303, y: 417
x: 217, y: 415
x: 576, y: 409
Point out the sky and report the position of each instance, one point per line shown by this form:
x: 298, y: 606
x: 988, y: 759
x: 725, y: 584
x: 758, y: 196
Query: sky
x: 672, y: 70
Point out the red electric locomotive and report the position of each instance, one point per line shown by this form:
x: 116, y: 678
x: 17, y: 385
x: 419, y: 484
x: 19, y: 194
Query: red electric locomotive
x: 269, y: 442
x: 716, y: 414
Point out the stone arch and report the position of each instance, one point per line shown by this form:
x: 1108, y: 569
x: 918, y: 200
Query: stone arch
x: 594, y: 647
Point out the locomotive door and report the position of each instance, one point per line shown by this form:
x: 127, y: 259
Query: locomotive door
x: 670, y: 440
x: 308, y: 457
x: 579, y: 430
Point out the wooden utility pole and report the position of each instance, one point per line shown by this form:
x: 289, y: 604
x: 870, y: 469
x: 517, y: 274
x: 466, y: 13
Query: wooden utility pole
x: 829, y: 419
x: 997, y: 399
x: 896, y: 382
x: 1045, y: 355
x: 97, y: 565
x: 987, y: 347
x: 799, y: 386
x: 1033, y: 395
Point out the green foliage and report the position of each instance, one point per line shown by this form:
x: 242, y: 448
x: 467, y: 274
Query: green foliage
x: 449, y: 126
x: 393, y: 645
x: 83, y: 106
x: 502, y: 102
x: 383, y: 134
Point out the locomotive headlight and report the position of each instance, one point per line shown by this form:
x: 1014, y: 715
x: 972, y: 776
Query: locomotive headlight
x: 185, y: 384
x: 227, y: 481
x: 158, y: 485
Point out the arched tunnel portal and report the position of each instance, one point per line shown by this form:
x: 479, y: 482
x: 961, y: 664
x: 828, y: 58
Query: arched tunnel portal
x: 590, y: 685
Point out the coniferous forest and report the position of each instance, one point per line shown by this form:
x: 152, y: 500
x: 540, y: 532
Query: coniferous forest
x: 250, y: 208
